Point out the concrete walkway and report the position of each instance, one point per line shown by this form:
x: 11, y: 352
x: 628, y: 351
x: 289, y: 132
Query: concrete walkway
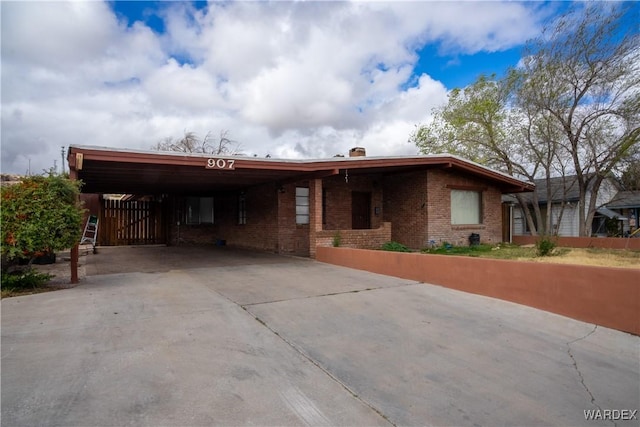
x: 222, y: 337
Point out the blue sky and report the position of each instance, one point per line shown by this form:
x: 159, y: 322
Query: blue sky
x: 288, y: 79
x: 451, y: 68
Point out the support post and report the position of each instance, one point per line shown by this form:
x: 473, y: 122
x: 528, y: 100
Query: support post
x: 75, y: 251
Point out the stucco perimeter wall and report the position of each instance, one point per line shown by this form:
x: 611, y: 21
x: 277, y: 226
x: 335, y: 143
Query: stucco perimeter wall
x: 604, y: 296
x: 585, y: 242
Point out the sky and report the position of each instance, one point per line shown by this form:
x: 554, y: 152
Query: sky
x: 286, y: 79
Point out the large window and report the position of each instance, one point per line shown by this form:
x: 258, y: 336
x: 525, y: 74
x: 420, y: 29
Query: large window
x: 466, y: 207
x: 302, y: 205
x: 199, y: 210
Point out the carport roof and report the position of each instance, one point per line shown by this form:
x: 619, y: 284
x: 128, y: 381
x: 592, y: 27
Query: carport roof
x: 111, y: 170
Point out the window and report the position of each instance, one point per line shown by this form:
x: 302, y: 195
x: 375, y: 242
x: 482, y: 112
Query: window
x: 199, y: 210
x: 242, y: 209
x: 302, y: 205
x: 466, y: 207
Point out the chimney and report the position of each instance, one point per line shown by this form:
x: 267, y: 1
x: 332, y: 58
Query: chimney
x: 357, y: 152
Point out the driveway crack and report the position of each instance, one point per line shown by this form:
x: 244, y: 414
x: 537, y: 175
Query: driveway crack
x: 317, y: 364
x: 575, y: 366
x: 355, y: 291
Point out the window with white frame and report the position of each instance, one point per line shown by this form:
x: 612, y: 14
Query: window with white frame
x: 242, y: 209
x: 199, y: 210
x: 466, y: 207
x: 302, y: 205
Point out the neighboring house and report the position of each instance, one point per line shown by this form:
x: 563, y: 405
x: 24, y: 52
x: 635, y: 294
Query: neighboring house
x: 627, y: 204
x: 564, y: 203
x: 292, y: 206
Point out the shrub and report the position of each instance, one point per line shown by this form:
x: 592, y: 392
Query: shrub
x: 395, y: 247
x: 25, y: 279
x: 337, y: 239
x: 545, y: 246
x: 40, y: 215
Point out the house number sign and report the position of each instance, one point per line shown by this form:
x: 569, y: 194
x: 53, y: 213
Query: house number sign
x: 227, y: 164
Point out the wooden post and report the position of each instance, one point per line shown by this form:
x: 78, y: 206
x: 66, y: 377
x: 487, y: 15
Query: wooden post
x: 75, y: 255
x: 75, y: 251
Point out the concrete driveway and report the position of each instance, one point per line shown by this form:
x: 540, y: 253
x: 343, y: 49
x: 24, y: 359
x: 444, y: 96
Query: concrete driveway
x: 239, y: 338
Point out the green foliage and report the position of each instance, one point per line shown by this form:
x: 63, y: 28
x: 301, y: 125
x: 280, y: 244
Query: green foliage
x: 40, y: 215
x: 27, y: 279
x: 448, y: 249
x: 395, y: 247
x: 613, y: 227
x: 337, y: 239
x: 545, y: 246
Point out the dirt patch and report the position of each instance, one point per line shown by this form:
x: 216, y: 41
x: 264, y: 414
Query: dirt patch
x: 593, y: 257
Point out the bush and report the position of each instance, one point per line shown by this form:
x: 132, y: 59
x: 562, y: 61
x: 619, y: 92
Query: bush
x: 337, y: 239
x: 395, y: 247
x: 545, y: 246
x: 25, y: 279
x: 40, y: 215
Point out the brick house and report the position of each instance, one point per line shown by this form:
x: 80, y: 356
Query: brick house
x: 290, y: 206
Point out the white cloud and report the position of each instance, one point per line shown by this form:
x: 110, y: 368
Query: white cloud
x: 292, y: 79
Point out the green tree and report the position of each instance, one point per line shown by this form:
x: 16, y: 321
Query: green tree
x: 584, y: 74
x: 40, y: 214
x: 573, y: 107
x: 483, y: 123
x: 631, y: 176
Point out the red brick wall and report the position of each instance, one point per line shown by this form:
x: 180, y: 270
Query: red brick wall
x: 418, y: 204
x: 405, y: 206
x: 361, y: 239
x: 260, y: 232
x: 439, y: 209
x: 338, y: 199
x: 292, y: 238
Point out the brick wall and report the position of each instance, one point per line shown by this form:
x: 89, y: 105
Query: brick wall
x: 361, y: 239
x: 417, y: 204
x: 260, y: 232
x: 293, y: 239
x: 405, y: 206
x: 338, y: 199
x: 439, y: 186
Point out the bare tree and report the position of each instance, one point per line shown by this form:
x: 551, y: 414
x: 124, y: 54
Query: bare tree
x: 190, y: 143
x: 584, y: 72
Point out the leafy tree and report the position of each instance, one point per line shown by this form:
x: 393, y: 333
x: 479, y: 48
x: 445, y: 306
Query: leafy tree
x: 481, y: 123
x: 191, y: 143
x: 572, y: 108
x: 631, y: 176
x: 39, y: 215
x: 584, y: 74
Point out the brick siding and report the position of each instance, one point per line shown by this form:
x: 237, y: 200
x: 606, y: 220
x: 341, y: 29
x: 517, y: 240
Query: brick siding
x: 411, y: 208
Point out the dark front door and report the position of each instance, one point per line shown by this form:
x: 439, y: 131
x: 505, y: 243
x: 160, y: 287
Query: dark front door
x: 360, y: 210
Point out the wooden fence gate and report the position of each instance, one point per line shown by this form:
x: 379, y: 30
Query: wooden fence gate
x: 131, y: 222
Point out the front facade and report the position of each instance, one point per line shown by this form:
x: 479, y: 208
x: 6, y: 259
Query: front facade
x: 291, y: 207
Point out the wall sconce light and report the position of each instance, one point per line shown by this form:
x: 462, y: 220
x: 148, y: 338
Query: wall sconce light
x: 376, y: 210
x: 281, y: 189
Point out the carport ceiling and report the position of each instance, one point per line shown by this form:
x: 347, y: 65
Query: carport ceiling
x: 106, y: 170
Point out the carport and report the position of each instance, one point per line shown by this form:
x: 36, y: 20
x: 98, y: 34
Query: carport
x: 291, y: 206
